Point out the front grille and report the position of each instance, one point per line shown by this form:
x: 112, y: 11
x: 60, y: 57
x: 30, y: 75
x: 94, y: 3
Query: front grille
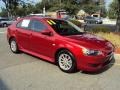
x: 94, y: 65
x: 108, y: 60
x: 109, y: 53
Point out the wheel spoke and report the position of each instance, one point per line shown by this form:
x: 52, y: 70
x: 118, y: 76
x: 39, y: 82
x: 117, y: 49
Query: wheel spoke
x: 65, y: 61
x: 13, y: 46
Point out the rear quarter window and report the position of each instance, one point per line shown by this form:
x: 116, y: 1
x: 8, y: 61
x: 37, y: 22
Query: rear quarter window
x: 23, y: 24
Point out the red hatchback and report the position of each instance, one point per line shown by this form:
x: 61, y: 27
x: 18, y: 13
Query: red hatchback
x: 60, y: 42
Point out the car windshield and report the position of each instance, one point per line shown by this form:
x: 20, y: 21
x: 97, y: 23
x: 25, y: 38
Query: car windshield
x: 63, y: 27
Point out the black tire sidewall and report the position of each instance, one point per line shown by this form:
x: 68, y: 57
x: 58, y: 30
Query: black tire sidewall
x: 4, y: 25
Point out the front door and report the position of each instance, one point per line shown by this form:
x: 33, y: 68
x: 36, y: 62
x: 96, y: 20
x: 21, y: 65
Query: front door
x: 40, y: 43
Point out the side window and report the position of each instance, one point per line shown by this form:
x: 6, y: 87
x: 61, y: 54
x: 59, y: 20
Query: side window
x: 23, y: 24
x: 19, y: 24
x: 37, y: 26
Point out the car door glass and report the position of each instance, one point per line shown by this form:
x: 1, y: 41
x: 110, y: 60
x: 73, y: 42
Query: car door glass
x: 37, y: 26
x: 23, y: 24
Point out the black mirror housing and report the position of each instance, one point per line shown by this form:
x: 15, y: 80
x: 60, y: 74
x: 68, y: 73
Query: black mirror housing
x: 48, y: 33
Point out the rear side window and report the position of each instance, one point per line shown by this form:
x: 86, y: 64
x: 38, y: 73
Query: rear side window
x: 37, y: 26
x: 23, y: 24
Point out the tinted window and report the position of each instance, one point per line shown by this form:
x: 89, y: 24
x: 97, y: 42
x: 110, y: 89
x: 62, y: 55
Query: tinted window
x: 64, y: 27
x: 37, y: 26
x: 19, y: 24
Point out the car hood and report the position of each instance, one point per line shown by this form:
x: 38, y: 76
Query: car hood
x: 90, y: 41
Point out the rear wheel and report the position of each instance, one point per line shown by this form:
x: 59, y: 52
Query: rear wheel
x: 66, y: 61
x: 14, y: 46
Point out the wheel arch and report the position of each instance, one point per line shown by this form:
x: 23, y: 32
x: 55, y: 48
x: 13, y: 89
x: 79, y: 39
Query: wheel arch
x: 11, y: 38
x: 73, y: 58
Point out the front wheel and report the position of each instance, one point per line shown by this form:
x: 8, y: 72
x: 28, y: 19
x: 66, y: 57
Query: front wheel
x: 66, y: 61
x: 14, y: 46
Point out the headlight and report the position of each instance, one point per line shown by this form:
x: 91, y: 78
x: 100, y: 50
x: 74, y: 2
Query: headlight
x: 91, y: 52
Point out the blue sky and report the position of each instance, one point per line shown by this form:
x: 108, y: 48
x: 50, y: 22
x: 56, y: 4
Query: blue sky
x: 106, y: 1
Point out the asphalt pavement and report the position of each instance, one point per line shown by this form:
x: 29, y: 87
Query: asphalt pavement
x: 25, y: 72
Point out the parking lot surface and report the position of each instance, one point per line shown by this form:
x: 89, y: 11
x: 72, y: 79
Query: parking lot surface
x: 25, y: 72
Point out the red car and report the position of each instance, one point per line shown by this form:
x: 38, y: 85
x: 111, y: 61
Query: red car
x: 60, y: 42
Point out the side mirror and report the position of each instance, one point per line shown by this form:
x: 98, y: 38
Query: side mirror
x: 48, y: 33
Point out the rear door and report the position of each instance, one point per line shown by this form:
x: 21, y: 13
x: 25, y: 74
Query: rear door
x: 23, y: 34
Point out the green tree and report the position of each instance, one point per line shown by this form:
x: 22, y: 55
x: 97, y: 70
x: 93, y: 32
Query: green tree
x: 113, y: 9
x: 23, y: 10
x: 118, y: 17
x: 3, y: 12
x: 72, y: 6
x: 114, y: 12
x: 11, y: 6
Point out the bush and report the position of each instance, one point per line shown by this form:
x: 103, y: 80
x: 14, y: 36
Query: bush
x: 76, y: 22
x: 112, y: 37
x: 100, y: 29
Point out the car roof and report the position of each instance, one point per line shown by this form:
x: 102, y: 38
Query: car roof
x: 39, y: 17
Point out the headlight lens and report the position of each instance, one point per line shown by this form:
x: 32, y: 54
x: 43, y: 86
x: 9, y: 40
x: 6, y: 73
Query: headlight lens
x: 92, y: 52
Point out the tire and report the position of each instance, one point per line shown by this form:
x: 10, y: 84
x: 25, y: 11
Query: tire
x: 14, y: 46
x: 66, y: 61
x: 96, y: 22
x: 4, y: 25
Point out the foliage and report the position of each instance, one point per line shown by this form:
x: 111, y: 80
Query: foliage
x: 118, y: 17
x: 100, y: 29
x: 4, y: 12
x: 21, y: 8
x: 112, y: 37
x: 11, y: 5
x: 113, y: 10
x: 91, y: 8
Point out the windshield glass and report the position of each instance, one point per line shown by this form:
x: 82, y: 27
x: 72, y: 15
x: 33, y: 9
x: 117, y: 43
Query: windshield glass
x: 63, y: 27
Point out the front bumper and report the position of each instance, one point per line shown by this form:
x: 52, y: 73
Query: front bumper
x: 94, y: 64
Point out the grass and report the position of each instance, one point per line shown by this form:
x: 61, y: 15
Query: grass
x: 112, y: 37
